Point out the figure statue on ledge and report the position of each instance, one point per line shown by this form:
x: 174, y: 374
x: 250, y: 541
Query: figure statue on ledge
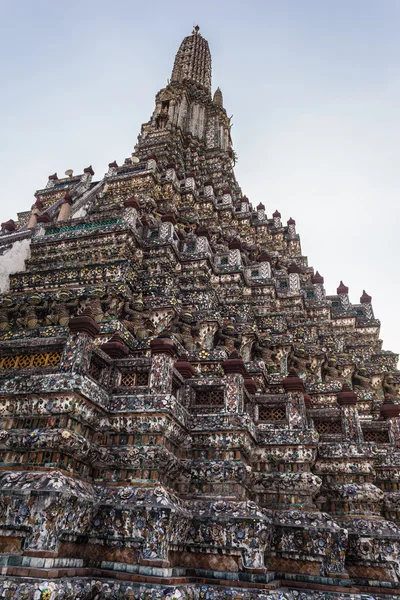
x: 263, y: 351
x: 30, y: 320
x: 8, y: 308
x: 61, y: 310
x: 96, y: 308
x: 298, y: 360
x: 168, y: 326
x: 361, y: 381
x: 330, y: 372
x: 228, y: 338
x: 58, y: 315
x: 112, y: 307
x: 30, y: 309
x: 186, y: 332
x: 139, y: 323
x: 390, y: 386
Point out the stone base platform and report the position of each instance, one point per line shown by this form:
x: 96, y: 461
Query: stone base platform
x: 44, y: 584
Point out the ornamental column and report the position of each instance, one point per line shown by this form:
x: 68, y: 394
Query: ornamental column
x: 343, y: 293
x: 387, y: 466
x: 294, y: 278
x: 163, y: 356
x: 235, y: 372
x: 366, y: 301
x: 391, y: 412
x: 65, y: 210
x: 294, y: 387
x: 277, y: 219
x: 351, y: 427
x: 318, y: 282
x: 261, y: 212
x: 35, y: 211
x: 78, y: 349
x: 131, y: 211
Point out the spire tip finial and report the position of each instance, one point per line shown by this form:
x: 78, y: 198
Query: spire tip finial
x: 196, y: 29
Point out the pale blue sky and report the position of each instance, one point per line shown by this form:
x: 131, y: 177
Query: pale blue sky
x: 314, y: 88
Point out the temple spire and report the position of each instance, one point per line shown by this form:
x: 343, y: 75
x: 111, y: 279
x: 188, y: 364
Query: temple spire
x: 193, y: 61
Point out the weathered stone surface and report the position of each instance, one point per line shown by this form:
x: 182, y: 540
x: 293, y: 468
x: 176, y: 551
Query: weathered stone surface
x: 184, y: 412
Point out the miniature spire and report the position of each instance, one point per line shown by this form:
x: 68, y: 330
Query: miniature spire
x: 291, y: 227
x: 365, y: 298
x: 193, y: 61
x: 218, y: 99
x: 277, y: 219
x: 317, y: 278
x: 366, y: 302
x: 342, y: 289
x: 318, y: 282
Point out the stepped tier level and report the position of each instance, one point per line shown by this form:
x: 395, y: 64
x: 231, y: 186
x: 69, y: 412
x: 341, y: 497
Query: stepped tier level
x: 185, y: 413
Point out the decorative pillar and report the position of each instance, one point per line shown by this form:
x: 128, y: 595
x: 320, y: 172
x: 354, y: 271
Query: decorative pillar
x: 235, y: 371
x: 387, y: 468
x: 163, y: 355
x: 265, y: 265
x: 296, y: 412
x: 227, y: 197
x: 294, y: 278
x: 131, y: 211
x: 88, y: 173
x: 318, y: 282
x: 65, y: 210
x: 367, y: 306
x: 203, y: 239
x: 277, y: 219
x: 33, y: 219
x: 190, y: 183
x: 343, y: 292
x: 391, y: 412
x: 234, y: 253
x: 291, y: 227
x: 152, y: 162
x: 112, y: 168
x: 167, y: 228
x: 52, y: 180
x: 209, y: 191
x: 244, y: 205
x: 170, y: 174
x: 78, y: 349
x: 261, y: 212
x: 351, y: 427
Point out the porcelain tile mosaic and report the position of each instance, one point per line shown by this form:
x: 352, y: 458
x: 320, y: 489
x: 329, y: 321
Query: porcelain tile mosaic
x: 185, y: 414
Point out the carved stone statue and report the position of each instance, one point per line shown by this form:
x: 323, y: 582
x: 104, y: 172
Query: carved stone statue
x: 265, y: 352
x: 138, y: 323
x: 96, y: 309
x: 112, y: 306
x: 390, y: 386
x: 330, y: 371
x: 361, y: 381
x: 299, y: 361
x: 228, y: 338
